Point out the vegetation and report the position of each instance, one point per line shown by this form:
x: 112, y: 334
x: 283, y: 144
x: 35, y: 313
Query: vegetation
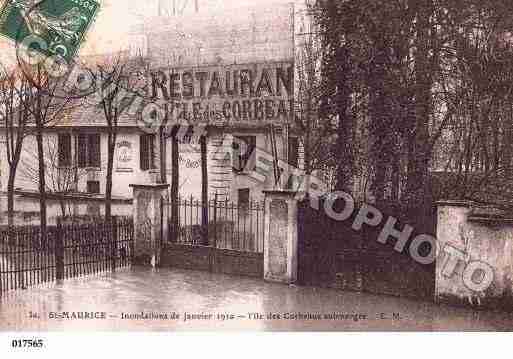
x: 421, y: 92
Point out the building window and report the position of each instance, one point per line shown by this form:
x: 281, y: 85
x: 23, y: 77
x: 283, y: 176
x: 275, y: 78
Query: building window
x: 243, y: 148
x: 294, y: 152
x: 187, y: 137
x: 93, y: 187
x: 147, y: 152
x: 293, y: 159
x: 243, y: 201
x: 88, y: 150
x: 64, y: 150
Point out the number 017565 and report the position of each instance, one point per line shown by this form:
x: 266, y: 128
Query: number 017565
x: 27, y: 343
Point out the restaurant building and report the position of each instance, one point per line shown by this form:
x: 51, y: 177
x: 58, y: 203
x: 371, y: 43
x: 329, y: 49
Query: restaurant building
x: 237, y: 85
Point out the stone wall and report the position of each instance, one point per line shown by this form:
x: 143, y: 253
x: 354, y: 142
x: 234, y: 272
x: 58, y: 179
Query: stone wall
x: 476, y: 235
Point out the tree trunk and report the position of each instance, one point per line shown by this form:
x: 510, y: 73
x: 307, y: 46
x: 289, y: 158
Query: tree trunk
x: 10, y: 196
x: 508, y: 148
x: 163, y: 155
x: 63, y: 208
x: 308, y: 162
x: 418, y: 177
x: 204, y: 189
x: 343, y: 147
x: 175, y: 178
x: 380, y: 126
x: 379, y: 182
x: 41, y: 178
x: 396, y: 178
x: 108, y: 184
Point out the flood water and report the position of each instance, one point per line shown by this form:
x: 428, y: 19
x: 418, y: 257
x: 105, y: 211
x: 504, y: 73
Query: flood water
x: 219, y: 302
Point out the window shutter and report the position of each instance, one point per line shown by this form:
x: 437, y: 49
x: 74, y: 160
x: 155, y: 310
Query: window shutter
x: 99, y: 150
x: 236, y: 160
x: 243, y: 149
x: 251, y: 141
x: 147, y: 152
x: 142, y: 152
x: 151, y: 151
x: 93, y: 187
x: 64, y: 150
x: 82, y: 151
x: 294, y: 151
x: 94, y: 150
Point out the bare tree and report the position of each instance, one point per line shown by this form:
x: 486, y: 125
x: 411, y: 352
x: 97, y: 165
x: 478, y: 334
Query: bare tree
x: 335, y: 20
x: 13, y: 92
x: 117, y: 89
x: 111, y: 81
x: 61, y: 178
x: 477, y: 142
x: 316, y: 134
x: 45, y: 103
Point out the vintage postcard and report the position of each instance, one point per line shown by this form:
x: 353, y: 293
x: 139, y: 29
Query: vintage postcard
x: 270, y: 165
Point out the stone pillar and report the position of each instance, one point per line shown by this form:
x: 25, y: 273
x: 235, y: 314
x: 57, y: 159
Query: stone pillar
x: 451, y: 222
x: 280, y: 236
x: 479, y: 239
x: 150, y: 222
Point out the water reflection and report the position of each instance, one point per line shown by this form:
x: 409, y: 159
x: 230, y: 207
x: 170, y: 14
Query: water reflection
x: 142, y: 291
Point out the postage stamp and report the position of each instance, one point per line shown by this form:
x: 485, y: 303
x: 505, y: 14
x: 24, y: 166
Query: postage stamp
x: 60, y: 25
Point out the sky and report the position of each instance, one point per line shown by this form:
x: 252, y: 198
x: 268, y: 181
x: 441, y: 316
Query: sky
x: 115, y: 22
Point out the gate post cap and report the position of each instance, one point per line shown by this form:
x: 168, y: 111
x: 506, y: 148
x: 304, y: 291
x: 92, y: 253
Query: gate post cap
x: 280, y: 192
x: 156, y: 186
x: 454, y: 203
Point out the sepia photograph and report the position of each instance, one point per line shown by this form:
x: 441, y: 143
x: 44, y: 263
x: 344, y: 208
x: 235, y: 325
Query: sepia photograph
x: 299, y: 166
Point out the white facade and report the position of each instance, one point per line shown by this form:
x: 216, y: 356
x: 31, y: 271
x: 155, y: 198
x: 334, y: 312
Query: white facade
x: 222, y: 179
x: 126, y: 165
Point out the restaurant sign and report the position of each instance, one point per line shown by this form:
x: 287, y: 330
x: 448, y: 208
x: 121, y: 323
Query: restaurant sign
x: 224, y: 95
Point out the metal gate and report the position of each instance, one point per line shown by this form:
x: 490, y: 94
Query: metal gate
x: 332, y: 254
x: 230, y: 241
x: 67, y: 250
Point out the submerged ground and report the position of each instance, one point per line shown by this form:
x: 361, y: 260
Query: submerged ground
x: 177, y: 300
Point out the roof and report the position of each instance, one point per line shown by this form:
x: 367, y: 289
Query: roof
x: 85, y: 113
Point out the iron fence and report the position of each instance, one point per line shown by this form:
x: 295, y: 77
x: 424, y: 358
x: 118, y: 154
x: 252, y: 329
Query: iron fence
x: 229, y: 225
x: 67, y: 250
